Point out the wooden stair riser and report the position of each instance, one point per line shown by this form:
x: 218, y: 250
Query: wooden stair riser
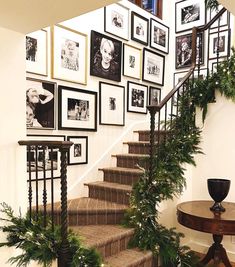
x: 131, y: 162
x: 145, y: 136
x: 121, y: 178
x: 109, y: 194
x: 136, y: 148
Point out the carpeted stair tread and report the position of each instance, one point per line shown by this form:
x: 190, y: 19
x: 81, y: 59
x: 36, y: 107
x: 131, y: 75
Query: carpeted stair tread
x: 147, y: 143
x: 108, y: 185
x: 131, y: 155
x: 122, y: 170
x: 130, y: 258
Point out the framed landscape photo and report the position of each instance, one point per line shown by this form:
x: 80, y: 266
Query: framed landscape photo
x: 153, y: 67
x: 159, y: 36
x: 78, y: 153
x: 116, y: 20
x: 221, y: 42
x: 139, y: 28
x: 77, y: 109
x: 36, y: 52
x: 189, y: 14
x: 132, y: 61
x: 112, y: 104
x: 137, y: 97
x: 40, y: 104
x: 69, y: 55
x: 154, y: 96
x: 36, y: 157
x: 105, y: 57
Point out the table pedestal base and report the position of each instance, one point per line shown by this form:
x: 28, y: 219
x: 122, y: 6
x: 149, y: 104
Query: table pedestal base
x: 217, y: 252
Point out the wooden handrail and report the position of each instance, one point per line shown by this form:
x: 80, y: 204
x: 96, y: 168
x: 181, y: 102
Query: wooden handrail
x: 57, y: 144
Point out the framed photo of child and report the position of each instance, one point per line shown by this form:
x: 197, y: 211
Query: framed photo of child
x: 139, y: 28
x: 106, y: 55
x: 78, y: 153
x: 69, y: 55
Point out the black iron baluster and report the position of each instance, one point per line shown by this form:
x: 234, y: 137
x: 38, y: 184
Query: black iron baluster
x: 36, y: 176
x: 30, y: 197
x: 52, y: 186
x: 218, y: 44
x: 44, y: 185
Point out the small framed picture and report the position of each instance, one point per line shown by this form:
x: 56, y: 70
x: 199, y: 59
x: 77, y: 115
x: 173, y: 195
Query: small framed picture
x: 44, y: 153
x: 159, y: 36
x: 189, y: 14
x: 219, y: 42
x: 36, y: 52
x: 106, y: 55
x: 132, y: 59
x: 137, y: 97
x: 213, y: 64
x: 222, y: 21
x: 153, y: 67
x: 178, y: 76
x: 112, y: 104
x: 78, y: 153
x: 40, y: 104
x: 154, y: 96
x: 69, y: 55
x: 184, y: 50
x: 139, y: 28
x: 116, y: 20
x: 77, y: 109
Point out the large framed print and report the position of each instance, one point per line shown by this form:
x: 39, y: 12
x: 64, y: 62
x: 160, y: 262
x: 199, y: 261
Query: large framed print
x: 153, y: 67
x: 40, y: 104
x: 77, y: 109
x: 116, y: 20
x: 139, y: 28
x: 112, y: 104
x: 189, y: 14
x: 184, y: 50
x: 36, y: 157
x: 137, y: 97
x: 78, y: 153
x: 36, y: 52
x: 154, y: 96
x: 105, y: 57
x: 159, y: 36
x: 69, y: 55
x: 222, y: 21
x: 132, y: 59
x: 178, y: 76
x: 221, y: 42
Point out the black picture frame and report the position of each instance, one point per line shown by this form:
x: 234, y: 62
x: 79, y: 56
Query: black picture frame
x: 178, y: 76
x: 139, y: 28
x: 77, y: 109
x: 111, y: 104
x: 137, y: 97
x: 41, y: 101
x: 153, y: 67
x: 107, y: 68
x: 154, y: 96
x: 78, y: 152
x: 224, y: 19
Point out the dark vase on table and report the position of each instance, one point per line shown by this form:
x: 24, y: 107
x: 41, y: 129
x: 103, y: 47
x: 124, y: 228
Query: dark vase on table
x: 218, y: 190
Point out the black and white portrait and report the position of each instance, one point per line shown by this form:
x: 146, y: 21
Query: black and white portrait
x: 77, y: 150
x: 137, y: 98
x: 131, y: 61
x: 70, y: 55
x: 117, y: 19
x: 139, y: 30
x: 31, y: 48
x: 219, y: 44
x: 112, y: 103
x: 105, y: 57
x: 159, y: 36
x: 153, y: 67
x: 154, y: 96
x: 78, y: 109
x: 190, y: 13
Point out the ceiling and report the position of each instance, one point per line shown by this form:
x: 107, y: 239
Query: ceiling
x: 229, y: 4
x: 29, y: 15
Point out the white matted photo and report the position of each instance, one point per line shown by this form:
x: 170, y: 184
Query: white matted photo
x: 69, y: 55
x: 154, y: 96
x: 222, y: 21
x: 116, y: 20
x: 132, y: 59
x: 139, y: 28
x: 112, y: 104
x: 78, y: 153
x: 178, y: 76
x: 36, y: 52
x: 219, y: 43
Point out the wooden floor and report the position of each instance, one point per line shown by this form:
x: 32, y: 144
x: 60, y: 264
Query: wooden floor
x: 211, y: 264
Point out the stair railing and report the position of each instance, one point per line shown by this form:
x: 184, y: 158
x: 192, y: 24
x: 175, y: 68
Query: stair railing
x: 169, y: 106
x: 43, y: 168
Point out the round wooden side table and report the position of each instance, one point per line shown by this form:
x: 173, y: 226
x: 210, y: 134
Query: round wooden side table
x: 197, y: 215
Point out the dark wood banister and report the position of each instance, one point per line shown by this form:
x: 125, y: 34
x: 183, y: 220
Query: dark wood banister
x: 55, y: 144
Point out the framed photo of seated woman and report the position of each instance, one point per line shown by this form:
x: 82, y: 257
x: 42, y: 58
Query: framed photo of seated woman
x: 105, y: 58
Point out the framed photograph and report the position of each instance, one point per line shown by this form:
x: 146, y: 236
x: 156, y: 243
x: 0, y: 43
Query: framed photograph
x: 153, y: 67
x: 219, y: 41
x: 77, y: 109
x: 178, y: 76
x: 36, y: 52
x: 184, y: 50
x: 132, y: 59
x: 152, y: 6
x: 116, y: 20
x: 137, y: 97
x: 222, y: 21
x: 106, y: 55
x: 154, y: 96
x: 69, y: 55
x: 139, y: 28
x: 112, y: 104
x: 189, y: 14
x: 40, y: 104
x: 159, y: 36
x: 78, y: 153
x: 46, y: 154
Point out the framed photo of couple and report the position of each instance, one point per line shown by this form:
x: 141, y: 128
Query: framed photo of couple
x: 78, y: 153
